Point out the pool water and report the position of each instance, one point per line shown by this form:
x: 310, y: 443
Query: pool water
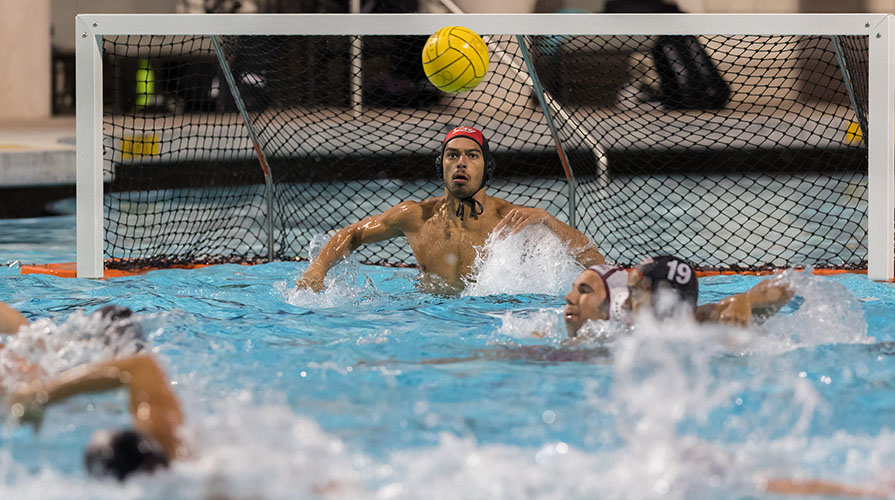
x: 375, y: 389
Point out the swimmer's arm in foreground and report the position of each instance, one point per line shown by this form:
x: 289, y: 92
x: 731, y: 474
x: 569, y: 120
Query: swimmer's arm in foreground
x: 387, y: 225
x: 10, y: 319
x: 819, y: 487
x: 153, y: 406
x: 761, y: 301
x: 518, y: 217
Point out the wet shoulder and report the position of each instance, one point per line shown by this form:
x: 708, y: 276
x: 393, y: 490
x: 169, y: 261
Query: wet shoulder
x: 501, y: 206
x: 429, y: 206
x: 413, y: 214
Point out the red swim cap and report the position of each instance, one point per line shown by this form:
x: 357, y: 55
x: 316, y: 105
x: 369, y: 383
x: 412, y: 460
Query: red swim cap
x: 469, y: 132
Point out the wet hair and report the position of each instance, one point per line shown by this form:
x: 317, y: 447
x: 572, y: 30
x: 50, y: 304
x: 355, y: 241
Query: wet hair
x: 671, y: 273
x: 119, y: 453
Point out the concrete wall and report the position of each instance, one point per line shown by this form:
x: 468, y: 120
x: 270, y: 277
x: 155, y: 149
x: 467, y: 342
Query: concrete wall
x: 25, y: 59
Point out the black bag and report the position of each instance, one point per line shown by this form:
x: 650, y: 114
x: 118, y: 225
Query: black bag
x: 687, y: 77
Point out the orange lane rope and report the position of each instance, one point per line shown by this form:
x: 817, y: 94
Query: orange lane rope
x: 69, y: 270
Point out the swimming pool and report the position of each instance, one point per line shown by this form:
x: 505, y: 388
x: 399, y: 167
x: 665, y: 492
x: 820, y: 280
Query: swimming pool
x: 390, y: 392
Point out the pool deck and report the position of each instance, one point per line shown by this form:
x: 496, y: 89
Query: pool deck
x: 37, y: 152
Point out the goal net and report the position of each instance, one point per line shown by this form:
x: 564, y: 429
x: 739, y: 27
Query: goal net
x: 244, y: 142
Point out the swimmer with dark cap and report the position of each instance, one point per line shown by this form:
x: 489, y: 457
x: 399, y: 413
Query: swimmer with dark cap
x: 444, y: 231
x: 676, y: 275
x: 606, y: 292
x: 156, y: 438
x: 157, y: 417
x: 154, y: 407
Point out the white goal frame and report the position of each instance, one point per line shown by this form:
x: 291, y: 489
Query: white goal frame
x: 879, y: 28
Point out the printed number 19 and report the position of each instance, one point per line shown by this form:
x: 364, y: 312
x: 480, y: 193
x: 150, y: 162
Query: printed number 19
x: 678, y: 272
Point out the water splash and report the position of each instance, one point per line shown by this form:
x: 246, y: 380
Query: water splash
x: 268, y: 452
x: 534, y: 260
x: 51, y: 348
x: 543, y: 323
x: 827, y: 313
x: 343, y: 284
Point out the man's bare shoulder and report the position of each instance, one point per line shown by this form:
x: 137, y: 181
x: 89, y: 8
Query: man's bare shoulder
x: 413, y: 212
x: 501, y: 206
x: 426, y: 205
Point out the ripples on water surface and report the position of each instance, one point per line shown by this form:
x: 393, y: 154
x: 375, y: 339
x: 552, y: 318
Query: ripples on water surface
x: 374, y: 389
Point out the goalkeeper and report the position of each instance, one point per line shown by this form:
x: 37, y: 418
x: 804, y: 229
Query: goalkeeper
x: 443, y: 231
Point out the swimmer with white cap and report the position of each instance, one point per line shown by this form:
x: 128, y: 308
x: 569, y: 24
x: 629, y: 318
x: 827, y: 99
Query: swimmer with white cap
x: 607, y: 292
x: 676, y: 276
x: 598, y: 293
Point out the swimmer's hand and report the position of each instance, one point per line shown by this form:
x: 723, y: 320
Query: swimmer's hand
x: 520, y: 217
x: 736, y: 310
x: 27, y: 404
x: 311, y: 281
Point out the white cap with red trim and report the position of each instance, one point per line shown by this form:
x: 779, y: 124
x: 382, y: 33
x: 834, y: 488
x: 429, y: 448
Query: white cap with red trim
x: 615, y: 280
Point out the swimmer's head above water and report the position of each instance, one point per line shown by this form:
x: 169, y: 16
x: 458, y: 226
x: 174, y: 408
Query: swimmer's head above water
x: 606, y: 292
x: 465, y: 165
x: 598, y: 293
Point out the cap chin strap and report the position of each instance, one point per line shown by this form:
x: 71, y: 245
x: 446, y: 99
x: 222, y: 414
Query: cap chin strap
x: 475, y: 206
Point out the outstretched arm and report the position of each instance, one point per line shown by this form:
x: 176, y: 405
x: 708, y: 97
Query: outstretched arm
x: 762, y: 300
x: 153, y: 406
x: 10, y: 319
x: 519, y: 217
x: 389, y: 224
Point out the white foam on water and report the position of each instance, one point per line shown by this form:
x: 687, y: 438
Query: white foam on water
x: 546, y: 323
x: 534, y: 260
x: 243, y: 450
x: 340, y: 286
x: 665, y: 374
x: 248, y: 449
x: 80, y: 339
x: 668, y: 377
x: 828, y: 314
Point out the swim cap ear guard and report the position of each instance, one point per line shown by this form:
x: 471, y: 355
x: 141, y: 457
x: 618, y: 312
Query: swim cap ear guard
x: 118, y: 453
x: 615, y: 282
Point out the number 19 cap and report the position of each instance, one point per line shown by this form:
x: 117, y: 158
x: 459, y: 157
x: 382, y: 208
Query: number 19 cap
x: 668, y: 271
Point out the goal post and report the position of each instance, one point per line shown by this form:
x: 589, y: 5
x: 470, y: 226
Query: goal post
x: 220, y: 98
x: 881, y: 140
